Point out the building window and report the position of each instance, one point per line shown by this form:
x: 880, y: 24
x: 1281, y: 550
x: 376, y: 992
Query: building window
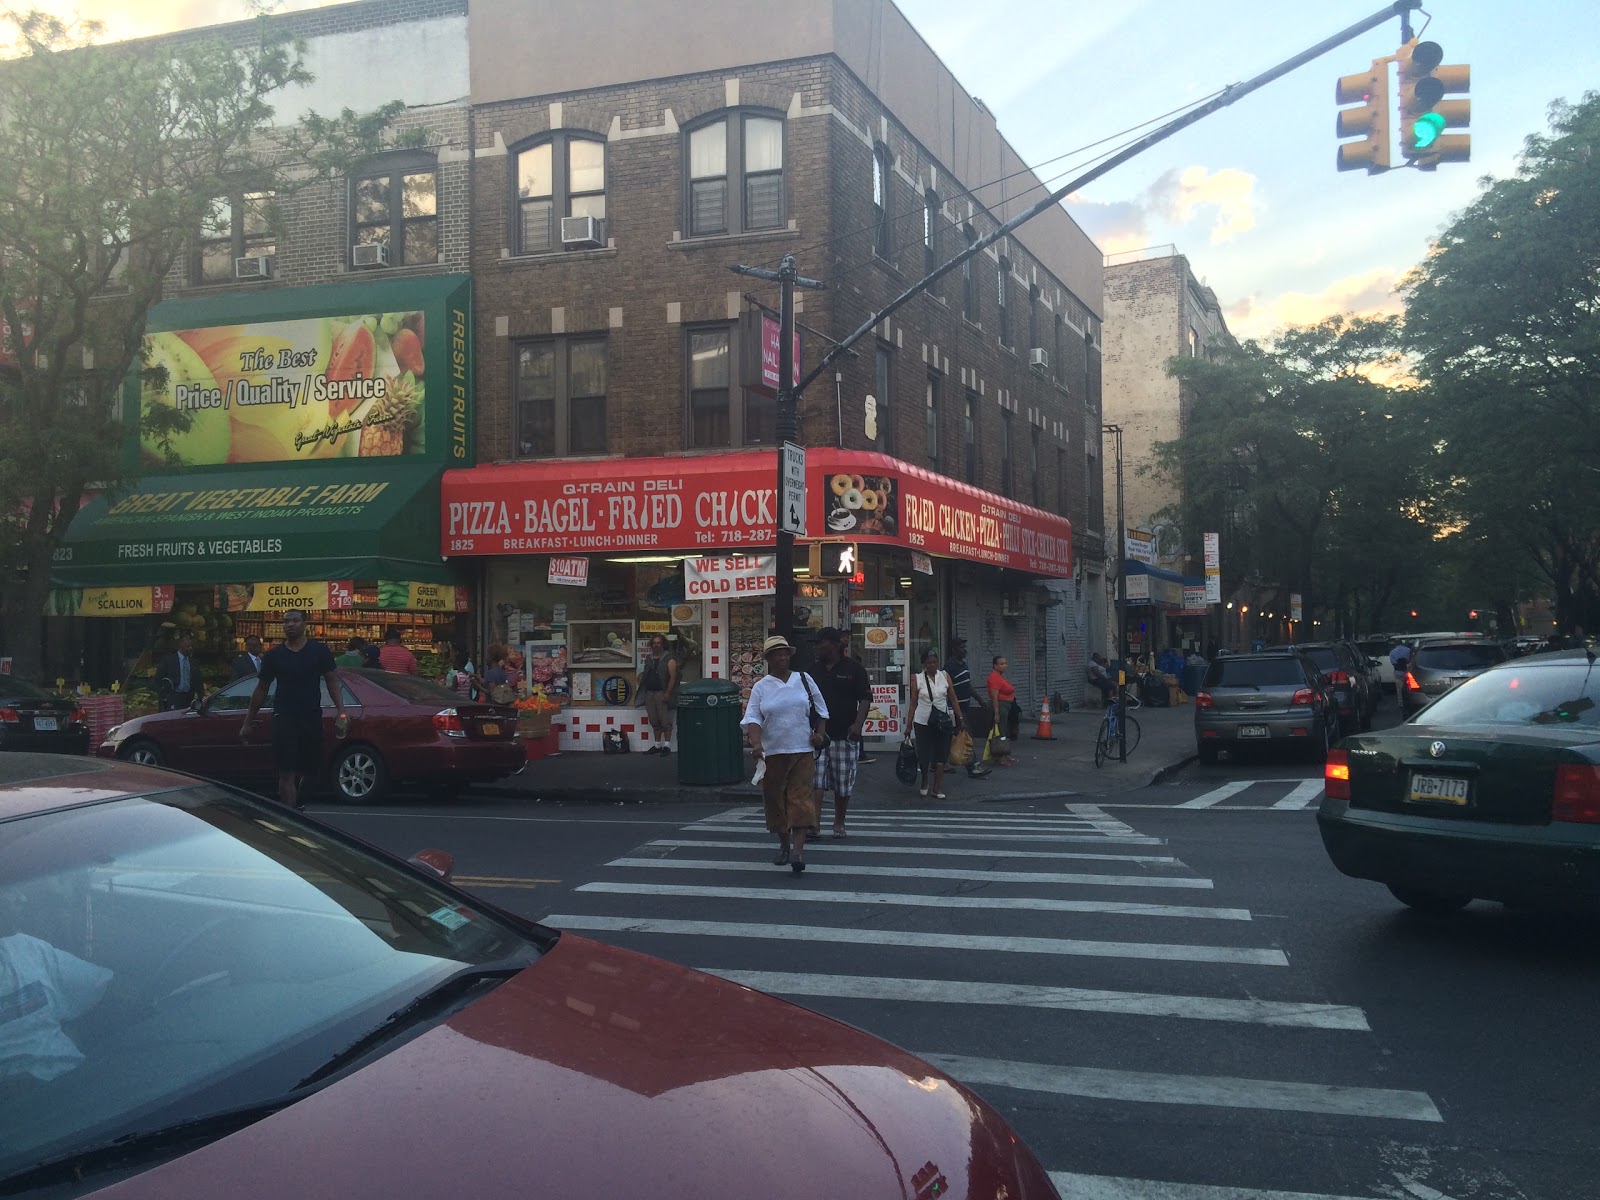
x: 1003, y: 277
x: 931, y: 421
x: 880, y: 201
x: 710, y: 388
x: 1033, y: 466
x: 563, y: 176
x: 561, y: 397
x: 1091, y: 509
x: 398, y: 208
x: 236, y: 226
x: 1007, y: 482
x: 930, y: 232
x: 969, y: 431
x: 1033, y: 319
x: 1061, y: 481
x: 883, y: 383
x: 1088, y: 367
x: 755, y: 201
x: 969, y: 280
x: 1060, y: 341
x: 760, y: 418
x: 1194, y: 342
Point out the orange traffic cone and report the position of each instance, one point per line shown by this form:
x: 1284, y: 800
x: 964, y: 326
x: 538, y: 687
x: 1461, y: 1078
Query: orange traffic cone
x: 1044, y: 734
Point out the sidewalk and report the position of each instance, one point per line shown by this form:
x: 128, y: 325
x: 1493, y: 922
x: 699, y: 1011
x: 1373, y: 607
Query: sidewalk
x: 1061, y: 767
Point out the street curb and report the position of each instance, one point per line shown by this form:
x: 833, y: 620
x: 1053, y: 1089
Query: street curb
x: 1167, y: 772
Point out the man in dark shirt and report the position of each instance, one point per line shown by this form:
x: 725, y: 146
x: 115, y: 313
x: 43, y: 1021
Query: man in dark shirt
x: 847, y: 694
x: 972, y: 707
x: 301, y: 667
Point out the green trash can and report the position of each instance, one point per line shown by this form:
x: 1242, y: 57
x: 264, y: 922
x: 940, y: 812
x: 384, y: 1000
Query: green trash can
x: 710, y: 742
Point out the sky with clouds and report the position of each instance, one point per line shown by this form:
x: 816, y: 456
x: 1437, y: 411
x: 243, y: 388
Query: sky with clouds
x: 1249, y: 194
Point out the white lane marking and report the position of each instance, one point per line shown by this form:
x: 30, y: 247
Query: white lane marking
x: 1018, y: 995
x: 1217, y: 795
x: 1242, y: 955
x: 1109, y: 1187
x: 342, y: 811
x: 1256, y: 808
x: 911, y: 821
x: 1421, y: 1190
x: 1101, y: 820
x: 944, y: 873
x: 1302, y: 796
x: 1118, y: 908
x: 1211, y: 1091
x: 858, y: 830
x: 833, y: 848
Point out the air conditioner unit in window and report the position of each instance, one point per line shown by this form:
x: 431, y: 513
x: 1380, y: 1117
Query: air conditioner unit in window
x: 1011, y: 604
x: 583, y: 231
x: 257, y: 266
x: 375, y: 255
x: 1039, y: 359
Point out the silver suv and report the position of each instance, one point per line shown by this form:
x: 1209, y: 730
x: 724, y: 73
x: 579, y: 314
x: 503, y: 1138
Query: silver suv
x: 1440, y: 664
x: 1275, y: 697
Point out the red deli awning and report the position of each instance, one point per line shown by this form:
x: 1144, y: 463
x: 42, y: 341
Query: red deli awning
x: 726, y: 502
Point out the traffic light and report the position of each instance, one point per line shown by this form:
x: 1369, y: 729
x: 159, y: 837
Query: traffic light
x: 1424, y: 113
x: 1369, y: 90
x: 834, y: 560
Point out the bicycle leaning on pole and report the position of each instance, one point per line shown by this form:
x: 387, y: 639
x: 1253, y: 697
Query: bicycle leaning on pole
x: 1119, y: 733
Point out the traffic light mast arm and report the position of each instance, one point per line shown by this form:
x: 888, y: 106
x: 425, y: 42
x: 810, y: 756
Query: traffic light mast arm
x: 1230, y: 95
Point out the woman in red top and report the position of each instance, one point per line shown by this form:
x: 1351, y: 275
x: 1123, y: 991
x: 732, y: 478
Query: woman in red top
x: 1003, y: 701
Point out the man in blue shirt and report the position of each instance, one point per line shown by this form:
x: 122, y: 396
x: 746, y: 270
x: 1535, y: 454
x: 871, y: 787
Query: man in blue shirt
x: 300, y: 667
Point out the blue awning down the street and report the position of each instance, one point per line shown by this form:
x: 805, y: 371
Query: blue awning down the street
x: 1145, y: 583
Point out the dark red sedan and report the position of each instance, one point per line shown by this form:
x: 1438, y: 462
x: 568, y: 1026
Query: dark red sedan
x: 217, y: 997
x: 402, y: 729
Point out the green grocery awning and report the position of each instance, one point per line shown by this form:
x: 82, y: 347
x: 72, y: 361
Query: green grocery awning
x: 329, y: 521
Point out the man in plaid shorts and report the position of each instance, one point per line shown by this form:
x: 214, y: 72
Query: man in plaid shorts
x: 848, y: 693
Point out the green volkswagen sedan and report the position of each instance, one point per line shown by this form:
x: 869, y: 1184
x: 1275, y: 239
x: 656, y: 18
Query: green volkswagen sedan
x: 1492, y: 792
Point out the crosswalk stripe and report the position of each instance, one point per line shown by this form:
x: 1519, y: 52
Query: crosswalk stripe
x: 859, y: 830
x: 1207, y: 799
x: 1107, y: 1187
x: 1213, y: 1091
x: 942, y: 873
x: 1120, y: 908
x: 912, y: 821
x: 1302, y: 795
x: 1018, y: 995
x: 1242, y: 955
x: 833, y: 848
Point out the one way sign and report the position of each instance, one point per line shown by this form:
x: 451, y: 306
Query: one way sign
x: 792, y: 503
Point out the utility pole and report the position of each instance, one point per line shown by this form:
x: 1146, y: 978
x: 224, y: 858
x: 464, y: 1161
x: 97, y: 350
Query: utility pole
x: 1122, y: 597
x: 787, y: 277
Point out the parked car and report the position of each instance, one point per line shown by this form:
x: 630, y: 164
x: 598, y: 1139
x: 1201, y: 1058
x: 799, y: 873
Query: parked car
x: 1274, y: 697
x: 1349, y: 679
x: 1439, y: 664
x: 34, y: 719
x: 1377, y: 651
x: 1492, y: 792
x: 402, y: 730
x: 237, y: 1000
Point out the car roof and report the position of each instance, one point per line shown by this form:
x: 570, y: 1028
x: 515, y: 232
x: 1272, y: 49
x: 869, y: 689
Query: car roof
x: 1268, y: 652
x: 38, y: 783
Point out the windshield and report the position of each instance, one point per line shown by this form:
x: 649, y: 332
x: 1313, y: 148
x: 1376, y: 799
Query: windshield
x: 1255, y: 672
x: 418, y: 691
x: 1326, y: 658
x: 1568, y: 694
x: 170, y: 956
x: 1459, y: 658
x: 20, y: 689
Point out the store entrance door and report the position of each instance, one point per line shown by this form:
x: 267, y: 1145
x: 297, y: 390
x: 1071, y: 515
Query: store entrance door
x: 878, y: 639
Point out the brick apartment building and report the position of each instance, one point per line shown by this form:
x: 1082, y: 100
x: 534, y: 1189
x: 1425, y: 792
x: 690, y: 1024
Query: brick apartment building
x: 616, y: 180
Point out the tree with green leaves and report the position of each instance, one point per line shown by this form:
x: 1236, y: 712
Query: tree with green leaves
x: 1504, y: 319
x: 1310, y: 467
x: 114, y: 155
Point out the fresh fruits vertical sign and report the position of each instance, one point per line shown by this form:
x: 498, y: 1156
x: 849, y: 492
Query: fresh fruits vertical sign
x: 290, y: 391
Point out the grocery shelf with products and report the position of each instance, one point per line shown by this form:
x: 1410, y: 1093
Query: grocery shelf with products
x: 419, y: 632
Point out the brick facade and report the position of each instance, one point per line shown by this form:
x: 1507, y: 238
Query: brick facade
x: 651, y: 282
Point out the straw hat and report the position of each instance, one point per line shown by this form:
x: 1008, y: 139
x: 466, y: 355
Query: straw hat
x: 776, y: 642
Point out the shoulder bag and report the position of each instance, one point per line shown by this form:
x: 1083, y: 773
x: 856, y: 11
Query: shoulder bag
x: 940, y: 722
x: 817, y: 723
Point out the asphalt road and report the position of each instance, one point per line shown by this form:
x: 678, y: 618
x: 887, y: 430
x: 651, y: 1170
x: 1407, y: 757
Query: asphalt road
x: 1172, y: 995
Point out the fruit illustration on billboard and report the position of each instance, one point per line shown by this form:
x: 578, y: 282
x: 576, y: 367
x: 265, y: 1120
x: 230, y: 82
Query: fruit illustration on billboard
x: 289, y: 391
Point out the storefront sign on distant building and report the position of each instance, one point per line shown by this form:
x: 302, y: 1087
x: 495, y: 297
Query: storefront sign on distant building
x: 569, y: 572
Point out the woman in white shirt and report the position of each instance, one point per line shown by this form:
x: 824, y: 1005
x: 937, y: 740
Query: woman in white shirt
x: 935, y: 721
x: 784, y: 737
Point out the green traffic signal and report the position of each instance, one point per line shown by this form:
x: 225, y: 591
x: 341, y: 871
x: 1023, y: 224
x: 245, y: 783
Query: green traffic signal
x: 1425, y: 130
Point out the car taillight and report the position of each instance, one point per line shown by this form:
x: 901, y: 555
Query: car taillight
x: 1411, y: 683
x: 1336, y: 775
x: 448, y: 722
x: 10, y: 716
x: 1204, y: 700
x: 1339, y: 679
x: 1577, y: 794
x: 1303, y: 696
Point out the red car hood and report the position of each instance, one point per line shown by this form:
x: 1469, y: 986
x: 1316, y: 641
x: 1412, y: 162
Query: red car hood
x: 603, y: 1073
